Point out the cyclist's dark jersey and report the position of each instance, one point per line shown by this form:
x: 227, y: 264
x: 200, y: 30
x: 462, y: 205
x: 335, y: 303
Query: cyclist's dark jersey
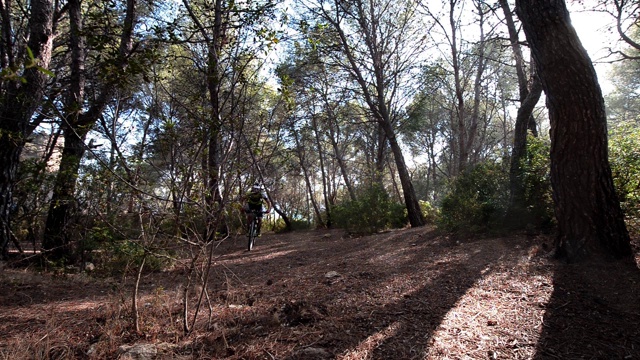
x: 255, y: 199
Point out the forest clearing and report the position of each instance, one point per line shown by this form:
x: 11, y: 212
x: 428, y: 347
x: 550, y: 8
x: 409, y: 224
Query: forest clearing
x: 402, y: 294
x: 443, y: 179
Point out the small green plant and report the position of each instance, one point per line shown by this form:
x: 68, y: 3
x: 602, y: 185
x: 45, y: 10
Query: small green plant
x: 372, y: 211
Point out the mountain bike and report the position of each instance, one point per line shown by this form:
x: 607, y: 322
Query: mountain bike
x: 253, y: 227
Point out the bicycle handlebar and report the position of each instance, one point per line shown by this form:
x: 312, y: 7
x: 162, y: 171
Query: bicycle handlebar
x: 260, y: 212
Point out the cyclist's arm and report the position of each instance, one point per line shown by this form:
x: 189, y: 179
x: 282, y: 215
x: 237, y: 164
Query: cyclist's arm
x: 267, y: 202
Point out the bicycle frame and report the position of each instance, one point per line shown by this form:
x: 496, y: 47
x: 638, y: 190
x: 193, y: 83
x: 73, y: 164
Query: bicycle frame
x: 253, y: 228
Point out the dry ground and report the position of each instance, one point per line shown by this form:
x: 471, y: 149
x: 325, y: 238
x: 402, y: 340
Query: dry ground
x: 406, y: 294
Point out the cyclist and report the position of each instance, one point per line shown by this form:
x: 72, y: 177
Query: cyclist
x: 255, y: 199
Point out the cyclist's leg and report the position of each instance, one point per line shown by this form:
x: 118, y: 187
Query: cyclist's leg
x: 253, y: 211
x: 250, y: 216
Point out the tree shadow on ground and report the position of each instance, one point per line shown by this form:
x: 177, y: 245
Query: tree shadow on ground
x: 418, y: 315
x: 399, y: 323
x: 593, y: 313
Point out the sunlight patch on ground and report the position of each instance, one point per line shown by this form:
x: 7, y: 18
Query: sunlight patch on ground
x: 365, y: 349
x: 255, y: 256
x: 74, y: 306
x: 499, y: 311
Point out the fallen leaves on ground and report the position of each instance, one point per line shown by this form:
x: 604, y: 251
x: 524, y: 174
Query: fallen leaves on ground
x: 404, y: 294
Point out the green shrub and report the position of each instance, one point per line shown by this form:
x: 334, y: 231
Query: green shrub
x: 300, y: 224
x: 624, y: 157
x: 371, y: 212
x: 478, y: 199
x: 125, y: 255
x: 115, y: 253
x: 537, y: 182
x: 429, y: 212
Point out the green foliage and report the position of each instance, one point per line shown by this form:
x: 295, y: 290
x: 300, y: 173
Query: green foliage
x: 277, y: 225
x: 478, y: 199
x: 114, y: 251
x: 15, y: 73
x: 128, y: 254
x: 300, y: 224
x: 623, y: 103
x: 536, y: 179
x: 624, y: 157
x: 371, y: 212
x: 429, y: 211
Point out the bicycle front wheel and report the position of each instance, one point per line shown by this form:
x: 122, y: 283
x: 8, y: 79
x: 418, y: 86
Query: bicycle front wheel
x: 252, y: 235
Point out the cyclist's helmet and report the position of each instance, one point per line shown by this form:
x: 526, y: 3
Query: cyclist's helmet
x: 256, y: 186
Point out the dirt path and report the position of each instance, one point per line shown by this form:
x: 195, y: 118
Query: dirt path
x: 406, y: 294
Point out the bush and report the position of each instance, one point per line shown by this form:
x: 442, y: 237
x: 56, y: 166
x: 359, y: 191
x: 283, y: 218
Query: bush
x: 430, y: 212
x: 371, y: 212
x: 114, y: 251
x: 300, y: 224
x: 536, y: 178
x: 624, y: 157
x: 478, y: 199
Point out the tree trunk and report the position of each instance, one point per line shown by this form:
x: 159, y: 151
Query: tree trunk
x: 336, y: 150
x: 56, y: 238
x: 9, y: 157
x: 214, y: 203
x: 307, y: 179
x: 18, y: 104
x: 471, y: 129
x: 590, y: 220
x: 516, y: 215
x: 56, y: 233
x: 323, y: 173
x: 378, y: 93
x: 459, y: 128
x: 411, y: 200
x: 380, y: 155
x: 77, y: 125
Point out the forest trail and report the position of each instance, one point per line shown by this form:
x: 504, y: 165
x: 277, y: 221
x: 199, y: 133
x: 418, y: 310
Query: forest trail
x: 403, y: 294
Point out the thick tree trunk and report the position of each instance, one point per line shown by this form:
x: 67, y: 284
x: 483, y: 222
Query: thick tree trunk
x: 56, y: 237
x: 9, y: 157
x: 56, y: 240
x: 18, y: 104
x: 77, y: 125
x: 590, y: 221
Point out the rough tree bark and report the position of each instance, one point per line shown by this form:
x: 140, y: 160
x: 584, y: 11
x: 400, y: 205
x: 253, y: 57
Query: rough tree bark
x: 214, y: 38
x: 590, y: 220
x: 529, y: 89
x: 77, y: 125
x: 18, y: 103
